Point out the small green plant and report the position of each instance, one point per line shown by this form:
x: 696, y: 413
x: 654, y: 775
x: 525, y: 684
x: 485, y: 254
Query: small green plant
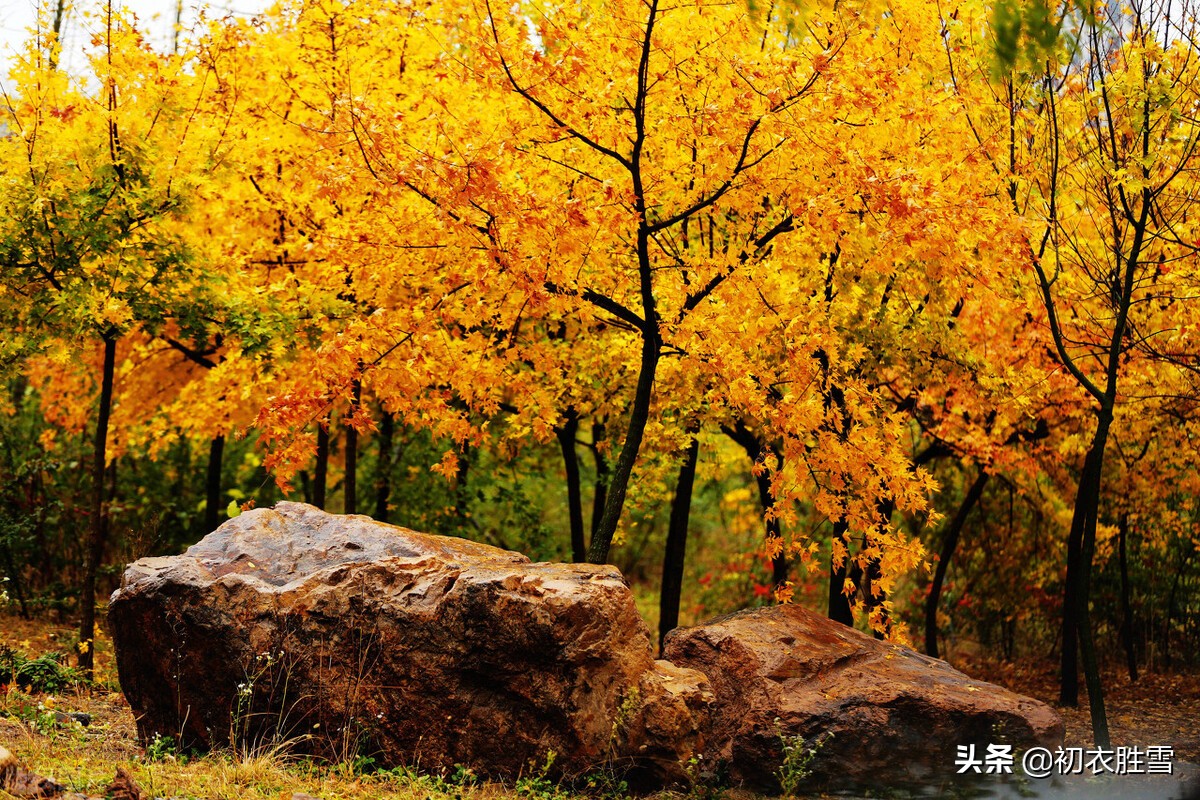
x: 538, y: 785
x: 46, y: 674
x: 798, y: 755
x: 704, y: 783
x: 19, y: 705
x: 604, y: 784
x: 164, y: 748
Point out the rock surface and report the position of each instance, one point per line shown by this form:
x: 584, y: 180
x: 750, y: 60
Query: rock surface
x: 16, y: 781
x: 358, y: 638
x: 887, y: 715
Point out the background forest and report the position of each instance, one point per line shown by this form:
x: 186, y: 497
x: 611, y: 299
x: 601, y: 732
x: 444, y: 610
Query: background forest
x: 886, y: 308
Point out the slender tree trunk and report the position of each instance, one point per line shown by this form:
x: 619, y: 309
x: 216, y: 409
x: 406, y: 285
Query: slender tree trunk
x: 462, y: 500
x: 839, y: 604
x: 1068, y: 690
x: 1126, y: 609
x: 1081, y: 550
x: 383, y: 470
x: 1087, y: 649
x: 600, y: 487
x: 567, y: 433
x: 755, y: 448
x: 949, y: 543
x: 321, y: 471
x: 212, y: 486
x: 178, y: 26
x: 673, y: 556
x: 873, y: 598
x: 97, y: 535
x: 350, y: 490
x: 639, y: 415
x: 60, y: 12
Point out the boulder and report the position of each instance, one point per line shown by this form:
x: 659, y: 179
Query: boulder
x: 877, y: 713
x: 348, y: 637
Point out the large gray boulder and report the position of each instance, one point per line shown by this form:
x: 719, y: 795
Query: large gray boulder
x: 350, y: 637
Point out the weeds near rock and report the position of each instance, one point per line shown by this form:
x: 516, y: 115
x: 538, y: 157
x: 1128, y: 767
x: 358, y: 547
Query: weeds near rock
x: 539, y: 786
x: 798, y: 755
x: 703, y: 782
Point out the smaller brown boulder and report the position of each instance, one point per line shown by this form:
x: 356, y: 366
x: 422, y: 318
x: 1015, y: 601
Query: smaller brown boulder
x: 880, y: 711
x: 19, y: 782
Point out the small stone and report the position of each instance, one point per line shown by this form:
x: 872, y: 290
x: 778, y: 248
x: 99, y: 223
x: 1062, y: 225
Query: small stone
x: 8, y: 768
x: 124, y: 787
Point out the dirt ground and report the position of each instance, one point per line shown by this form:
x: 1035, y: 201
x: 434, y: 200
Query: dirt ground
x: 1160, y: 709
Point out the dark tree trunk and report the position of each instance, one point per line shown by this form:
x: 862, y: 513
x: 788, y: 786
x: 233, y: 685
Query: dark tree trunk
x: 567, y: 433
x: 839, y: 603
x: 321, y: 471
x: 1077, y: 606
x: 755, y: 448
x: 60, y: 12
x: 600, y: 487
x: 383, y: 470
x: 1068, y: 689
x: 639, y: 415
x: 1126, y: 608
x: 873, y: 598
x: 350, y: 486
x: 212, y: 485
x: 99, y: 530
x: 462, y: 500
x: 949, y: 543
x: 673, y: 557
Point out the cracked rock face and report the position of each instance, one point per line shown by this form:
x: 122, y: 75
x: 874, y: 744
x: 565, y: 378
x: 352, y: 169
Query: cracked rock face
x: 885, y: 714
x: 350, y: 637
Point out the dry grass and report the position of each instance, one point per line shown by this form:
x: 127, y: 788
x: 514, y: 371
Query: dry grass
x: 84, y: 759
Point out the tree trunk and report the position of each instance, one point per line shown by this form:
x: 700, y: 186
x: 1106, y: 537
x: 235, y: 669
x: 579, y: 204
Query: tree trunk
x: 1068, y: 689
x: 755, y: 449
x: 321, y: 471
x: 350, y: 486
x: 839, y: 604
x: 639, y: 415
x: 1077, y: 605
x: 1126, y: 610
x: 212, y: 486
x: 97, y: 535
x: 60, y: 13
x: 383, y: 469
x: 873, y: 598
x: 566, y: 434
x: 600, y: 487
x: 1087, y: 649
x: 949, y: 543
x: 677, y: 531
